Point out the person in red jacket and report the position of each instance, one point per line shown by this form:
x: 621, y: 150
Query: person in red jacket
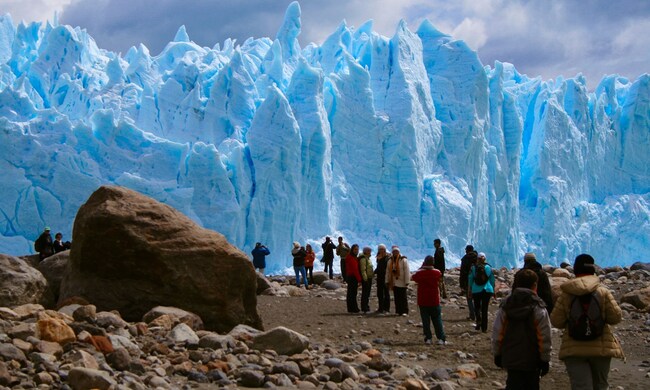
x: 309, y: 263
x: 353, y: 278
x: 428, y: 279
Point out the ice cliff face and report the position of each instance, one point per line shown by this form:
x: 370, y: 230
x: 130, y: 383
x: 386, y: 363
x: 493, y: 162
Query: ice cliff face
x: 396, y: 140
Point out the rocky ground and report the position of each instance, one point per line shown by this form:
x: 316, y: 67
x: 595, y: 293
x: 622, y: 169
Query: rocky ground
x: 310, y: 342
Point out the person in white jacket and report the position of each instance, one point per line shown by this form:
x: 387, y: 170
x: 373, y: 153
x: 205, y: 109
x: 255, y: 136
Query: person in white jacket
x: 397, y: 279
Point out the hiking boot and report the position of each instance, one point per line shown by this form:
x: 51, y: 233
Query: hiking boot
x: 441, y: 342
x: 428, y: 341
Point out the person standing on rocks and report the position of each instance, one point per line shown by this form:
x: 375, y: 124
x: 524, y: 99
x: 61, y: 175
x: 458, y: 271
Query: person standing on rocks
x: 397, y: 278
x: 310, y: 257
x: 43, y: 244
x: 342, y: 251
x: 481, y: 282
x: 259, y: 257
x: 466, y: 264
x: 367, y: 273
x: 439, y: 264
x: 328, y: 256
x: 58, y: 245
x: 521, y: 335
x: 428, y: 278
x: 383, y: 293
x: 543, y: 284
x: 299, y: 255
x: 587, y: 359
x: 353, y: 278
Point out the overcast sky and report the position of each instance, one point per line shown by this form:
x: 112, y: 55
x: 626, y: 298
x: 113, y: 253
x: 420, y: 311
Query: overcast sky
x: 540, y: 37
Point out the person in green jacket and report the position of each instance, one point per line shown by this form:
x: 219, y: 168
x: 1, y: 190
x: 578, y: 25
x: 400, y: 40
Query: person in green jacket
x: 367, y: 273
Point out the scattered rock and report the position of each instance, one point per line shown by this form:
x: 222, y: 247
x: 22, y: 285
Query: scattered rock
x: 330, y: 285
x: 640, y: 266
x: 19, y: 282
x: 281, y: 340
x: 470, y: 370
x: 191, y: 319
x: 640, y: 299
x: 55, y: 330
x: 183, y: 334
x: 53, y: 269
x: 250, y: 378
x: 81, y: 378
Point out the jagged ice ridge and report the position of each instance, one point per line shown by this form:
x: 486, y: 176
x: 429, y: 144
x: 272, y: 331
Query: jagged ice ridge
x: 396, y: 140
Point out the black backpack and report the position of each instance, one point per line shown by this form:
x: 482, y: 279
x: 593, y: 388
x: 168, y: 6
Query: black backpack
x: 480, y: 275
x: 586, y: 321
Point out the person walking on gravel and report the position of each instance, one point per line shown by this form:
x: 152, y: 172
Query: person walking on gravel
x: 383, y: 293
x: 585, y: 310
x: 481, y: 281
x: 428, y: 278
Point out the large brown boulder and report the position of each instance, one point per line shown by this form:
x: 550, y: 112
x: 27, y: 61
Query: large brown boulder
x: 20, y: 283
x: 132, y: 253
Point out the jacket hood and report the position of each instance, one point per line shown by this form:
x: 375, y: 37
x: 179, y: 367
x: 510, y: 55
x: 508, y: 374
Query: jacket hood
x: 520, y: 303
x: 581, y: 285
x: 295, y: 251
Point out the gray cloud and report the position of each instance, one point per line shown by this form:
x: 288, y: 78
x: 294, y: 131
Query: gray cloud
x: 539, y: 37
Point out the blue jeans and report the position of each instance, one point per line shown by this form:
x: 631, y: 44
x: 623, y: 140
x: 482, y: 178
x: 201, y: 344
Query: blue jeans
x: 301, y: 270
x: 431, y: 314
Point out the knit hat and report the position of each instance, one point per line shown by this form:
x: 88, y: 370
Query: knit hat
x: 481, y: 258
x: 47, y: 228
x: 296, y: 245
x: 394, y: 248
x: 529, y: 258
x: 584, y: 265
x: 381, y: 246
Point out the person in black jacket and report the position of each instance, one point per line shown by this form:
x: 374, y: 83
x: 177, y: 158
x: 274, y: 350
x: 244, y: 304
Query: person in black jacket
x: 543, y: 284
x: 328, y: 256
x: 439, y: 264
x: 466, y: 264
x: 44, y: 245
x: 383, y: 293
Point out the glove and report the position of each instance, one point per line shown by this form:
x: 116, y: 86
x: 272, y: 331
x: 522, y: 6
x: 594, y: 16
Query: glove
x: 497, y: 361
x: 543, y: 368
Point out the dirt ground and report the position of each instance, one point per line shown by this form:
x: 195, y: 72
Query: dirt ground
x: 322, y: 316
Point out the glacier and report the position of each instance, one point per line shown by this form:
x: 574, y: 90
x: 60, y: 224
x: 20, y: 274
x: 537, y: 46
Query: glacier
x: 395, y: 140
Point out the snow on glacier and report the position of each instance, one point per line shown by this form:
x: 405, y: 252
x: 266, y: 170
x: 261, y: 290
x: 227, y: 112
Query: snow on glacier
x: 394, y: 140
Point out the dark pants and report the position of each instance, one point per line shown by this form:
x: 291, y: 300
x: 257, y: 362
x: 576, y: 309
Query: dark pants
x: 383, y: 295
x: 343, y: 269
x: 517, y: 380
x: 401, y: 301
x: 442, y: 287
x: 470, y: 307
x: 481, y: 306
x: 328, y: 266
x: 365, y: 295
x: 310, y: 274
x: 431, y: 314
x: 351, y: 297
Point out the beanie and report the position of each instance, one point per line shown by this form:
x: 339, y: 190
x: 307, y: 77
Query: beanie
x: 394, y: 248
x: 584, y: 265
x: 296, y: 245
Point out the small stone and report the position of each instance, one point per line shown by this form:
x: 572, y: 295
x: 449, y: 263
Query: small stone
x: 11, y: 352
x: 5, y: 376
x: 81, y: 358
x: 119, y: 359
x: 289, y: 368
x: 49, y: 347
x: 55, y: 330
x: 22, y: 331
x: 43, y: 378
x: 216, y: 341
x: 157, y: 382
x: 414, y: 384
x: 281, y: 340
x: 183, y: 334
x: 470, y: 370
x: 85, y: 313
x: 22, y: 345
x: 250, y: 378
x: 440, y: 374
x: 80, y: 378
x: 107, y: 319
x: 336, y: 375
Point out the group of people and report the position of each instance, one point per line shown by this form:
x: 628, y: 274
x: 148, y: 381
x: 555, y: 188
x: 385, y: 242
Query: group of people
x: 521, y: 332
x: 46, y: 247
x: 584, y: 310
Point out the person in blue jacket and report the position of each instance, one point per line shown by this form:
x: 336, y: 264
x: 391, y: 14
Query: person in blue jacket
x: 481, y: 282
x: 259, y: 257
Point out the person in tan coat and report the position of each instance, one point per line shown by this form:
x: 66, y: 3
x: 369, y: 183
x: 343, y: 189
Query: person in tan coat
x: 397, y: 279
x: 587, y: 362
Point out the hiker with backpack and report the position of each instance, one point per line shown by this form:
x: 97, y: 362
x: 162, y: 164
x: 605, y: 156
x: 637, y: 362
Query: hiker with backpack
x: 521, y: 335
x: 481, y: 284
x: 585, y: 310
x: 466, y: 264
x: 44, y: 245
